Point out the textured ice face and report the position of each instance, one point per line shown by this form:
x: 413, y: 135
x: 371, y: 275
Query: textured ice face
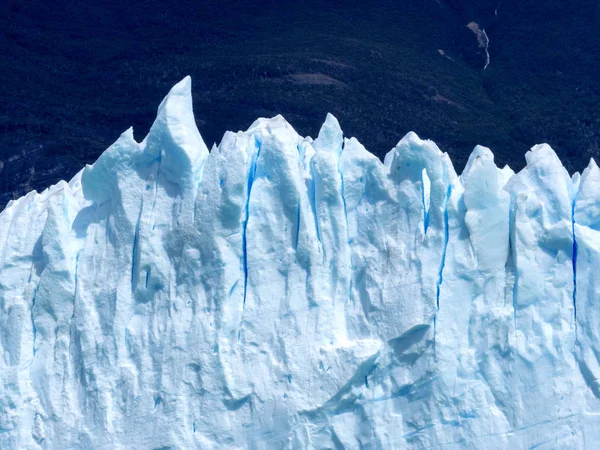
x: 280, y: 292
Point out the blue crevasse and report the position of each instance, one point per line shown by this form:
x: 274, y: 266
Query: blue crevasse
x: 250, y: 182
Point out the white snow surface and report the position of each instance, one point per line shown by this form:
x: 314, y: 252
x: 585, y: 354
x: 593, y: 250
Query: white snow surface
x: 284, y: 292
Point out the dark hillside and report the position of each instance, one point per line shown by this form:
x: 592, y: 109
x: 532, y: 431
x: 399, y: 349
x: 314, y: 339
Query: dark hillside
x: 76, y: 74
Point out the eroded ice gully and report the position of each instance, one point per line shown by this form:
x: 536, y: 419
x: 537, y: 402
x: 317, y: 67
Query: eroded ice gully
x: 280, y: 292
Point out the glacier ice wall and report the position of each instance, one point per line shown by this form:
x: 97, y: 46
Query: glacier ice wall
x: 284, y: 292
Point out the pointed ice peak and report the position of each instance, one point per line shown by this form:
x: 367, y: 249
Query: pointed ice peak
x: 411, y: 137
x: 487, y: 210
x: 576, y: 181
x: 541, y: 152
x: 542, y: 162
x: 592, y: 167
x: 411, y: 155
x: 174, y: 137
x: 479, y: 156
x: 353, y: 146
x: 276, y: 126
x: 549, y: 165
x: 450, y: 175
x: 506, y: 173
x: 587, y: 209
x: 330, y: 137
x: 126, y: 137
x: 269, y: 124
x: 356, y: 157
x: 100, y: 179
x: 590, y: 171
x: 411, y: 142
x: 180, y: 96
x: 306, y: 152
x: 483, y: 181
x: 481, y: 152
x: 546, y: 176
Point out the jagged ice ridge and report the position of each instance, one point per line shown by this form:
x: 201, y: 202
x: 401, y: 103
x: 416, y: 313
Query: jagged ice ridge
x: 284, y: 292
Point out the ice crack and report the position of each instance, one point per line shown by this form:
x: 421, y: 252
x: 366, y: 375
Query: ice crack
x: 298, y: 219
x: 156, y: 185
x: 343, y: 200
x: 574, y: 264
x: 443, y: 258
x: 425, y: 198
x: 135, y: 252
x: 513, y: 259
x: 250, y: 182
x: 313, y: 203
x: 33, y: 327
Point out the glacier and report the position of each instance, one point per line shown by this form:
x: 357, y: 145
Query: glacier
x: 284, y: 292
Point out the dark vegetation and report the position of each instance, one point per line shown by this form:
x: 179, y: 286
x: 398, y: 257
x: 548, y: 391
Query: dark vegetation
x: 75, y: 74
